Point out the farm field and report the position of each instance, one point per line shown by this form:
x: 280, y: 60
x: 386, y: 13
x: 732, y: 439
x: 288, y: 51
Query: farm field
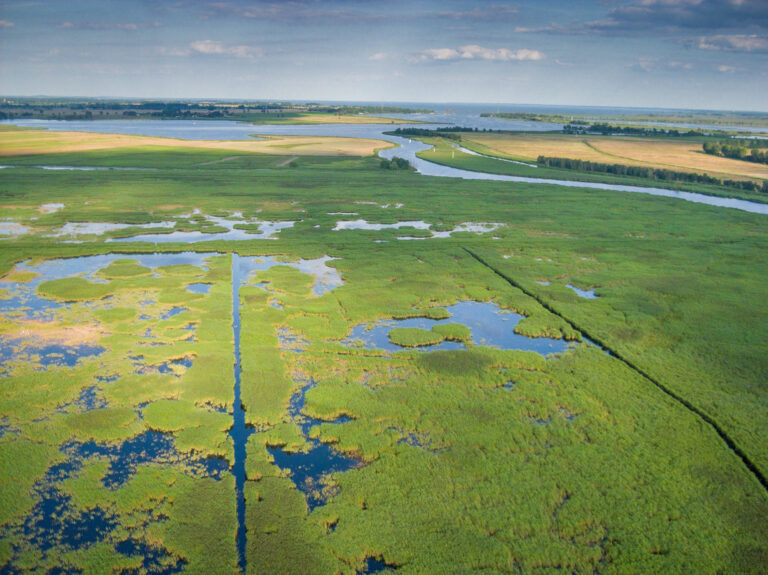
x: 38, y: 142
x: 449, y: 153
x: 416, y: 396
x: 694, y: 117
x: 679, y: 154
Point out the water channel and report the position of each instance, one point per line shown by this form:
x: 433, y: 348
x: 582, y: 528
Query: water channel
x: 406, y: 148
x: 488, y: 325
x: 239, y: 432
x: 22, y: 301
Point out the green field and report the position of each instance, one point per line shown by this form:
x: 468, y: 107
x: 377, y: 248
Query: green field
x: 492, y: 161
x: 475, y: 460
x: 739, y: 119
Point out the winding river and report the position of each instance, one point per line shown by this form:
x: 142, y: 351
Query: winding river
x: 406, y: 148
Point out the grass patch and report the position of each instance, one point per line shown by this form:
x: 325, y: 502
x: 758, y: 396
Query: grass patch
x: 414, y: 337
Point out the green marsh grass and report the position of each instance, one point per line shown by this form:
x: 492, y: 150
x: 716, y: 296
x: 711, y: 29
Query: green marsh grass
x: 471, y: 460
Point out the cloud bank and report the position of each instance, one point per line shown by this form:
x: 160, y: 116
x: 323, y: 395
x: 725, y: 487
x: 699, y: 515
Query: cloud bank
x: 475, y: 52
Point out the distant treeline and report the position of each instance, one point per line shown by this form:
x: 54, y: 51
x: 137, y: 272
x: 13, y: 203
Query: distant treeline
x: 94, y: 109
x: 608, y: 129
x: 527, y: 116
x: 371, y: 109
x: 747, y: 150
x: 448, y: 132
x: 424, y: 133
x: 649, y: 173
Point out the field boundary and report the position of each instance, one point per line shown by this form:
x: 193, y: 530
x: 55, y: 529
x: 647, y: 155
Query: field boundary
x: 750, y: 465
x: 649, y: 164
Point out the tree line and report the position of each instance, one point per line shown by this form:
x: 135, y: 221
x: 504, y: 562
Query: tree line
x: 747, y: 150
x: 608, y: 129
x: 449, y: 133
x: 650, y: 173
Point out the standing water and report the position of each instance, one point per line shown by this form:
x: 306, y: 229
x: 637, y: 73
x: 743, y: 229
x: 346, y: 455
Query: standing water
x: 239, y: 433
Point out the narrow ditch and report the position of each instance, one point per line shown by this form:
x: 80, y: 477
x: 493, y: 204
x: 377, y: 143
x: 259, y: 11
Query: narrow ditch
x: 239, y: 432
x: 753, y: 469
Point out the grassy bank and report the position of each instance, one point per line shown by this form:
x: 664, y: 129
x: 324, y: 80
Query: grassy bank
x: 444, y: 152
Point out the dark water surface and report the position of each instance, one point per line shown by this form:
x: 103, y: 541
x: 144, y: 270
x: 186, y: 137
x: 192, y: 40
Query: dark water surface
x: 309, y: 467
x: 239, y: 432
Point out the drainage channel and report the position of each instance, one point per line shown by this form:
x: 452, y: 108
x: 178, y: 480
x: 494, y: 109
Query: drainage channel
x: 750, y: 465
x: 239, y: 432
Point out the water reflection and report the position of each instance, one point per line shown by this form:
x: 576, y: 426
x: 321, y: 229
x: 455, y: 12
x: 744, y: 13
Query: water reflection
x: 584, y: 293
x: 311, y: 466
x: 489, y: 326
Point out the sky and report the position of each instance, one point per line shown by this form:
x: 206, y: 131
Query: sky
x: 700, y: 54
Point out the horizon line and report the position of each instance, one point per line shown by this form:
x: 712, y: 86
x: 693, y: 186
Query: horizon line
x: 373, y: 102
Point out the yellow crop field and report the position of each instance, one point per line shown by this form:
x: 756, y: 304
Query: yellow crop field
x: 669, y: 153
x: 25, y: 142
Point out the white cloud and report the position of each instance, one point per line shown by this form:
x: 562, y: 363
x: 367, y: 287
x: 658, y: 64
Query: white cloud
x: 173, y: 51
x: 493, y: 13
x: 439, y: 54
x: 681, y: 65
x: 6, y: 24
x: 221, y: 49
x: 726, y: 69
x: 655, y: 65
x: 733, y: 42
x: 475, y: 52
x: 379, y: 57
x: 102, y: 25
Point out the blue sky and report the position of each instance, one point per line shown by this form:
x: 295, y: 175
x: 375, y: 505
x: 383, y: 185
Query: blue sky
x: 664, y: 53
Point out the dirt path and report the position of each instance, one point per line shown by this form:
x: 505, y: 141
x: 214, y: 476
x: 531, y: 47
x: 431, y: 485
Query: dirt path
x: 286, y: 162
x: 227, y: 159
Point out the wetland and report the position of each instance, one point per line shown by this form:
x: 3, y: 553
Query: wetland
x: 213, y: 366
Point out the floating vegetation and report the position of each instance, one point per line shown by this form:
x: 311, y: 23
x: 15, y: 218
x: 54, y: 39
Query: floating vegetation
x: 73, y: 230
x: 469, y: 321
x: 22, y: 351
x: 311, y: 467
x: 234, y: 228
x: 478, y: 228
x: 148, y: 447
x: 12, y: 229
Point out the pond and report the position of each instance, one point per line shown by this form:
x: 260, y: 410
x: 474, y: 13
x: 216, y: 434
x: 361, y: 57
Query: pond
x: 238, y: 229
x: 583, y: 293
x: 475, y: 227
x: 489, y: 325
x: 309, y: 467
x: 10, y: 229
